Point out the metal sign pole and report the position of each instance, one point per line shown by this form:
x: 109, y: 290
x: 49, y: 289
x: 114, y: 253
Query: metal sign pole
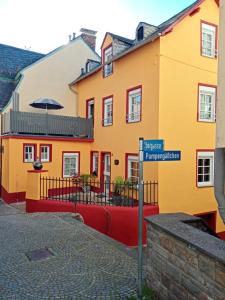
x: 140, y: 218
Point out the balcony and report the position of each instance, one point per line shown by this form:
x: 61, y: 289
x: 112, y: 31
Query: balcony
x: 16, y: 122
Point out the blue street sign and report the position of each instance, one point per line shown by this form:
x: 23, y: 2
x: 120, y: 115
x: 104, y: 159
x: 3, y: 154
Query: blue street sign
x: 163, y: 156
x: 153, y: 146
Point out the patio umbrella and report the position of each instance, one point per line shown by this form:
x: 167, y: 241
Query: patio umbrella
x: 46, y: 103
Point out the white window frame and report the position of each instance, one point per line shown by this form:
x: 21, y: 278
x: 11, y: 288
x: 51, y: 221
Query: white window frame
x: 47, y: 159
x: 108, y: 111
x: 108, y: 54
x: 130, y: 159
x: 32, y: 153
x: 207, y: 32
x: 207, y: 94
x: 205, y: 155
x: 134, y: 109
x: 75, y: 172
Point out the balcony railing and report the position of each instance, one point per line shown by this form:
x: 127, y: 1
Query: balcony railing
x: 16, y: 122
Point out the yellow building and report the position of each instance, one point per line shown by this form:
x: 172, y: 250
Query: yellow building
x: 162, y: 85
x: 27, y: 132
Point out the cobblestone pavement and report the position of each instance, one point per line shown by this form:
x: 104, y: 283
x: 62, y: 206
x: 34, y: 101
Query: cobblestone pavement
x: 85, y: 265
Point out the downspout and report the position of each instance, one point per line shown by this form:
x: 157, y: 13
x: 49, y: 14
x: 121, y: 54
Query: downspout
x: 219, y: 168
x: 1, y: 157
x: 77, y: 102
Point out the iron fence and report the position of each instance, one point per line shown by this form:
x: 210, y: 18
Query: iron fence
x: 96, y: 192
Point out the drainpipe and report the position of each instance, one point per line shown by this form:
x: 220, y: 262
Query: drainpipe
x: 219, y: 168
x: 77, y: 102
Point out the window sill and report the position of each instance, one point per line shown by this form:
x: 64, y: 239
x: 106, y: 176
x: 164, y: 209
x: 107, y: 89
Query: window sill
x: 131, y: 122
x: 107, y: 125
x: 207, y: 121
x: 211, y: 57
x: 205, y: 186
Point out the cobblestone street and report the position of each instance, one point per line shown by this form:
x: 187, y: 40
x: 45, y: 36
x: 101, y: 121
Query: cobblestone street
x: 83, y: 264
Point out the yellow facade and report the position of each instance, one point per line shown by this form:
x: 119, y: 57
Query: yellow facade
x: 169, y: 70
x: 15, y: 181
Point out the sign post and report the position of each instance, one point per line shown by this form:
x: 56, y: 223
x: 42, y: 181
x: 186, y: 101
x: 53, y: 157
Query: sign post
x: 140, y: 218
x: 149, y: 150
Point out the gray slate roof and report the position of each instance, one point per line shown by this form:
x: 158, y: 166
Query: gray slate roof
x: 13, y: 60
x: 121, y: 38
x: 133, y: 44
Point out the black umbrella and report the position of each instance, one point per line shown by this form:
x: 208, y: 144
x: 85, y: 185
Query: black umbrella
x: 45, y: 103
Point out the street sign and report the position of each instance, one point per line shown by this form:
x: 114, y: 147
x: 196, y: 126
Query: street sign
x: 149, y: 150
x: 163, y: 156
x: 153, y: 145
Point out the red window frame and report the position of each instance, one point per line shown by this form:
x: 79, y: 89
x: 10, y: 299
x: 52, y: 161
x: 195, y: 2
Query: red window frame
x: 71, y: 152
x: 103, y: 109
x: 198, y: 99
x: 50, y: 152
x: 126, y: 162
x: 91, y: 162
x: 35, y: 151
x: 103, y: 60
x: 216, y: 38
x: 127, y: 103
x: 87, y: 103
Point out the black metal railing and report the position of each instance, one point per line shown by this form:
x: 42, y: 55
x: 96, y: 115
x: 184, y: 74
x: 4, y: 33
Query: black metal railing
x: 96, y: 192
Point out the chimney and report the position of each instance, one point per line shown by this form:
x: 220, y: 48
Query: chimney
x: 74, y: 35
x: 89, y: 36
x: 82, y: 71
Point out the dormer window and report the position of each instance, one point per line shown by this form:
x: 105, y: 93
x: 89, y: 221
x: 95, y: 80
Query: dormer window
x: 140, y: 33
x: 107, y: 56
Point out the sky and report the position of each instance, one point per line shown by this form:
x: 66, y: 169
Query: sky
x: 43, y: 25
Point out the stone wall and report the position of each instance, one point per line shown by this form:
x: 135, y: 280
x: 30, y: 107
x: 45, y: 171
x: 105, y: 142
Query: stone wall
x: 184, y: 262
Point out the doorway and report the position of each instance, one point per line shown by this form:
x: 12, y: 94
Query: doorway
x: 105, y: 172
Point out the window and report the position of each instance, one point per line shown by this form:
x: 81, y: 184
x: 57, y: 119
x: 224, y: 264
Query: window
x: 107, y: 118
x: 90, y: 109
x: 208, y: 39
x: 140, y: 33
x: 134, y: 105
x: 207, y: 103
x: 94, y: 163
x: 46, y: 153
x: 29, y: 152
x: 108, y: 67
x: 205, y: 166
x: 71, y: 164
x: 132, y: 169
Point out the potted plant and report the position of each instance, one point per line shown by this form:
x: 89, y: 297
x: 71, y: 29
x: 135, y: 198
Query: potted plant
x: 121, y: 191
x: 84, y: 180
